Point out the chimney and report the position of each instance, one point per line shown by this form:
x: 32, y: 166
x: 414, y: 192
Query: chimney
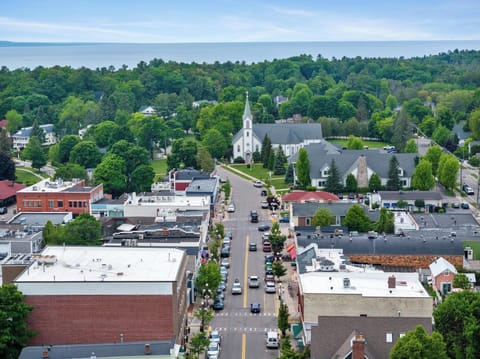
x: 358, y: 347
x: 392, y: 282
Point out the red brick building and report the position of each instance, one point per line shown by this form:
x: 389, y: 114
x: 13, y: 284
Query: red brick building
x: 59, y: 196
x: 105, y: 295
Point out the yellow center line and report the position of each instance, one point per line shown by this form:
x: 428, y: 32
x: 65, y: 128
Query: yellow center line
x: 245, y: 273
x: 244, y: 345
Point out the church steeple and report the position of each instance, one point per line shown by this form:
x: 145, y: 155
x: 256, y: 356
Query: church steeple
x: 246, y: 112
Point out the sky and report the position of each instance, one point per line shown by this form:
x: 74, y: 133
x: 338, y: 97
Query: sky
x: 180, y: 21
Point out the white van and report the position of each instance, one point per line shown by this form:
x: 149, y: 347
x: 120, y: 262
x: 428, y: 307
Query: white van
x: 272, y: 340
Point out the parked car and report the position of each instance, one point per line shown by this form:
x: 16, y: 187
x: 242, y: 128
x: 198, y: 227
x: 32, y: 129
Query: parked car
x: 224, y: 270
x: 269, y: 277
x: 263, y: 193
x: 269, y: 258
x: 222, y: 285
x: 253, y: 281
x: 3, y: 210
x: 264, y: 204
x: 215, y: 337
x: 455, y: 205
x: 270, y: 287
x: 465, y: 205
x: 284, y: 219
x: 218, y: 304
x: 258, y: 184
x: 252, y: 247
x: 226, y: 241
x: 255, y: 307
x: 263, y: 227
x: 231, y: 208
x: 225, y: 252
x: 229, y: 234
x: 267, y: 247
x: 213, y: 351
x: 225, y: 262
x: 220, y: 294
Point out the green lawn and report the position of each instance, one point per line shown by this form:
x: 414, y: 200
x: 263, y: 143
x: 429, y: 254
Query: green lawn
x: 261, y: 173
x: 370, y: 144
x: 160, y: 168
x: 25, y: 177
x: 475, y: 245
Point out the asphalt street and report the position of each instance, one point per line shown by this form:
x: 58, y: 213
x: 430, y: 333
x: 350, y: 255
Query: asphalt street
x: 243, y: 333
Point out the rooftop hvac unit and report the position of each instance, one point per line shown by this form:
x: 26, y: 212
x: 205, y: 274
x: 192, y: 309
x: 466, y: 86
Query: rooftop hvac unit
x: 346, y: 282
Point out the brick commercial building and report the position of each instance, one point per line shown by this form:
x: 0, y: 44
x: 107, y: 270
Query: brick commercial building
x: 105, y: 295
x: 59, y: 196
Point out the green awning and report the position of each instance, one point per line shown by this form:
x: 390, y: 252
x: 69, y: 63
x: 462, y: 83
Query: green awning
x: 297, y: 330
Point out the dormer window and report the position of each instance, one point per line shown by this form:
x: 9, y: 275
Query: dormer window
x: 325, y: 172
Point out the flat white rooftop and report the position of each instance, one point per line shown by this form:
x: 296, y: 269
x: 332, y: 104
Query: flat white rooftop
x: 105, y: 264
x: 369, y: 284
x: 51, y: 186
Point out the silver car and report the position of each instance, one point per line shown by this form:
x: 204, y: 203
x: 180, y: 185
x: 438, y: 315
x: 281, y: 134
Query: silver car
x: 270, y: 287
x: 213, y: 351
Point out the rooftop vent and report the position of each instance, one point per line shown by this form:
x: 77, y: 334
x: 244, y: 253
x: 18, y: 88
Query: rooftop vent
x: 392, y: 281
x: 346, y: 282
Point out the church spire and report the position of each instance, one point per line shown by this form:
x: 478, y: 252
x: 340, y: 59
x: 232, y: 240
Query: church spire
x: 246, y: 112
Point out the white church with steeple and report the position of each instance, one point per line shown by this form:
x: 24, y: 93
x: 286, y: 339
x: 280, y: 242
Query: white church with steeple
x: 291, y: 136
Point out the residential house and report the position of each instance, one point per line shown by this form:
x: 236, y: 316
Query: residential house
x: 362, y: 164
x: 199, y: 103
x: 147, y: 110
x: 20, y: 138
x: 101, y: 295
x: 181, y: 179
x: 389, y: 199
x: 290, y: 136
x: 443, y: 273
x: 59, y: 196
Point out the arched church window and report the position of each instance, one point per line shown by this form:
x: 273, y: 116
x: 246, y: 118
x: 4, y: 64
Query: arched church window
x: 238, y: 148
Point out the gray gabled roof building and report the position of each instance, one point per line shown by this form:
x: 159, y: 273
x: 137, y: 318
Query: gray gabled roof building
x: 361, y: 163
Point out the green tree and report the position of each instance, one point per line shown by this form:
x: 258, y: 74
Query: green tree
x: 277, y: 239
x: 402, y: 204
x: 393, y: 182
x: 7, y: 167
x: 433, y: 155
x: 457, y: 319
x: 215, y: 143
x: 69, y: 171
x: 333, y: 183
x: 374, y: 183
x: 411, y: 146
x: 83, y: 230
x: 5, y: 141
x: 14, y: 312
x: 278, y: 269
x: 474, y: 123
x: 183, y: 155
x: 282, y: 320
x: 354, y: 143
x: 65, y: 147
x: 356, y: 219
x: 289, y: 175
x: 419, y: 203
x: 386, y: 221
x: 322, y: 217
x: 401, y: 130
x: 204, y: 160
x: 37, y: 132
x: 461, y: 281
x: 208, y: 277
x: 141, y: 179
x: 279, y: 162
x: 34, y: 152
x: 423, y: 179
x: 417, y: 344
x: 111, y: 172
x: 198, y: 344
x: 303, y: 168
x: 86, y: 154
x: 266, y: 151
x: 205, y: 315
x: 448, y: 167
x: 351, y: 183
x: 15, y: 121
x: 441, y: 135
x: 391, y: 102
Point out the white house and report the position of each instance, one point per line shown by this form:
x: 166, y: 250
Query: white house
x: 21, y: 137
x: 291, y: 136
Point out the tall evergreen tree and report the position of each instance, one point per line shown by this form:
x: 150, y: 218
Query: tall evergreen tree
x: 374, y: 183
x: 266, y: 150
x: 280, y: 162
x: 333, y: 183
x: 289, y: 174
x: 401, y: 130
x: 37, y: 132
x: 393, y: 183
x: 351, y: 183
x: 7, y: 167
x: 303, y: 168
